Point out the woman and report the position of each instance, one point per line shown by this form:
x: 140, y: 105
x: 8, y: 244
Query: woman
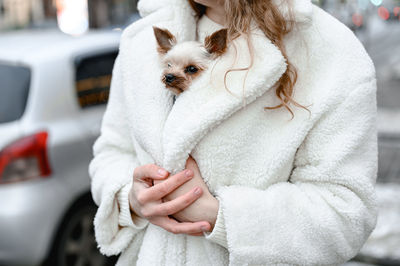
x: 285, y: 170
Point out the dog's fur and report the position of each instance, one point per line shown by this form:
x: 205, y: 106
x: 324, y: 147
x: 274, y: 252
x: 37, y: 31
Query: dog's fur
x: 183, y: 62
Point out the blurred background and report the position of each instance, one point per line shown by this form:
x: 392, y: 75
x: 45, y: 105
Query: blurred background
x: 56, y: 60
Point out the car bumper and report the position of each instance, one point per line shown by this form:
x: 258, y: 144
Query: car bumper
x: 29, y: 215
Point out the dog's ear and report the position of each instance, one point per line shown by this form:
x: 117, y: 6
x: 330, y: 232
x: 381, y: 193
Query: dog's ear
x: 165, y: 40
x: 216, y: 42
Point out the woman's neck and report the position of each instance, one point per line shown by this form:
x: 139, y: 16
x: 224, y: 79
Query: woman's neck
x: 217, y: 14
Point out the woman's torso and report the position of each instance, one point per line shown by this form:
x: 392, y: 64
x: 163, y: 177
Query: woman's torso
x: 252, y: 147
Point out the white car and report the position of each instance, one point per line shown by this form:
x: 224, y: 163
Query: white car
x: 53, y: 91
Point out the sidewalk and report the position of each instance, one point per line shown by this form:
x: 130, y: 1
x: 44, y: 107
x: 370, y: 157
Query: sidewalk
x: 384, y: 242
x: 383, y: 246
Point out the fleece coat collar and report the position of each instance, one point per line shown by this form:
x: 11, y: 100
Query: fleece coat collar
x: 169, y: 131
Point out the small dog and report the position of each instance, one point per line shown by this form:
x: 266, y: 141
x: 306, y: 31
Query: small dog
x: 185, y: 61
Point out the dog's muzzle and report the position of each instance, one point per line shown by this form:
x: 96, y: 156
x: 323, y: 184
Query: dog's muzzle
x: 169, y: 78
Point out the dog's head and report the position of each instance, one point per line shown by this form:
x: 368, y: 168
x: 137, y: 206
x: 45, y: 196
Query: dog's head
x: 185, y: 61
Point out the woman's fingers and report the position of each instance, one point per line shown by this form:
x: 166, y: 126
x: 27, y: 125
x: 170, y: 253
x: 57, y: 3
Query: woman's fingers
x: 160, y: 190
x: 175, y: 205
x: 149, y: 199
x: 175, y: 227
x: 149, y: 171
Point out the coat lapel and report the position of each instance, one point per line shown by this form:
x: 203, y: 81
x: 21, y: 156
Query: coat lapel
x: 207, y: 102
x: 169, y: 131
x: 149, y: 103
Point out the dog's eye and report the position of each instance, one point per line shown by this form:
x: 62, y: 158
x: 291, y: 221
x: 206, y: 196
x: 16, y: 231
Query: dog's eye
x: 191, y: 69
x: 169, y: 65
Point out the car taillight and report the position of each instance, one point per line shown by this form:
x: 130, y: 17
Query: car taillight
x: 25, y: 158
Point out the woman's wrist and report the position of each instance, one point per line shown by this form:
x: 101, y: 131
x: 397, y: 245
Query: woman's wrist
x: 131, y: 209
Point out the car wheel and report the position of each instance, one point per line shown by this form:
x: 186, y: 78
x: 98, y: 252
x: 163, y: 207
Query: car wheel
x: 75, y: 244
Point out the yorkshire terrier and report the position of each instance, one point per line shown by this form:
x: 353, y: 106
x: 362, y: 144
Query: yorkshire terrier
x: 185, y: 61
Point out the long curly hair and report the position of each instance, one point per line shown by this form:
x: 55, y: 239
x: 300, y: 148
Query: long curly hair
x: 238, y: 17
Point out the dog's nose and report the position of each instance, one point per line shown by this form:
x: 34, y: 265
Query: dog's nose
x: 169, y: 78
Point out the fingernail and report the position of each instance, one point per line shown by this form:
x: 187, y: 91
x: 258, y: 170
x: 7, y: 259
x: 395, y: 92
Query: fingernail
x: 162, y: 172
x: 203, y: 228
x: 197, y: 191
x: 188, y: 172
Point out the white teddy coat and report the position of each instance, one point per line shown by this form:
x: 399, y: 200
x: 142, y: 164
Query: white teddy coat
x: 295, y: 192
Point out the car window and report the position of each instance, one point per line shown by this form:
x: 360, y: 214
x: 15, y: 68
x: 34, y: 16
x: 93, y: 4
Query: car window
x: 93, y: 78
x: 14, y: 89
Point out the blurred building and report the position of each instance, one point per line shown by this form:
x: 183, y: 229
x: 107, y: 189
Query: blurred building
x: 19, y: 13
x: 108, y: 12
x: 16, y: 14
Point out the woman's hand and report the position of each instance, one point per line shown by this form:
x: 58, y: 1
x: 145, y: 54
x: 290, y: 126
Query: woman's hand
x: 203, y: 209
x: 145, y: 199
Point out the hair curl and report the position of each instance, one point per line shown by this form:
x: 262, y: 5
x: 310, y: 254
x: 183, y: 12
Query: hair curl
x: 238, y: 17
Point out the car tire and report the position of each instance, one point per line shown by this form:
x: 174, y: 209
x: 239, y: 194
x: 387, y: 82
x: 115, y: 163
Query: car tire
x: 75, y: 243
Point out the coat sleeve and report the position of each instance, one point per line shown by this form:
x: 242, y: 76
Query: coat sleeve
x: 326, y: 210
x: 111, y: 172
